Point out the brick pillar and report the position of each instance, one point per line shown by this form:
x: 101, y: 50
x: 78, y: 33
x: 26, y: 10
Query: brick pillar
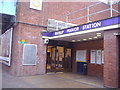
x: 119, y: 58
x: 111, y: 61
x: 32, y: 36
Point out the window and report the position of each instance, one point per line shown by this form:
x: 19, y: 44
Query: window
x: 97, y: 57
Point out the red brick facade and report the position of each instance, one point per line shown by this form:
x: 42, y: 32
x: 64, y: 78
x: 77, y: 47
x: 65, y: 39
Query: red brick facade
x: 111, y: 66
x: 56, y: 10
x: 32, y: 35
x: 92, y: 69
x: 119, y: 59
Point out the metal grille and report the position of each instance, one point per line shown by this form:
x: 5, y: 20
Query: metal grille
x: 29, y: 54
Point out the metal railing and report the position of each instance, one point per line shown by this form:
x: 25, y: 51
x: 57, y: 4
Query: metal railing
x: 88, y: 11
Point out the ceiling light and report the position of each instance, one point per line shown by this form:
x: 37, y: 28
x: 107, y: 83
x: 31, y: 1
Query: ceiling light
x: 98, y: 33
x: 84, y: 39
x: 90, y: 38
x: 78, y: 40
x: 95, y: 37
x: 73, y: 40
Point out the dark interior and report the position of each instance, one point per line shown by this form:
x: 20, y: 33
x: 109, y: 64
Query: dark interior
x: 6, y: 21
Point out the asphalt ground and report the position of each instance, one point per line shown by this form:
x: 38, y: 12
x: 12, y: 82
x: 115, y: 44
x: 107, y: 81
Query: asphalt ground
x: 51, y: 80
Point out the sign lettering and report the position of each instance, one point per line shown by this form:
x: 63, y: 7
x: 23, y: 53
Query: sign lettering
x: 93, y: 25
x: 59, y: 32
x: 73, y: 29
x: 89, y: 26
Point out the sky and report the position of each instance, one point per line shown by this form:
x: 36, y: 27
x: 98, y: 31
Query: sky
x: 8, y: 7
x: 103, y: 1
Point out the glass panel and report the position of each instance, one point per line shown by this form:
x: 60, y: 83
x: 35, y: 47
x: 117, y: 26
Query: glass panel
x: 59, y: 59
x: 68, y: 60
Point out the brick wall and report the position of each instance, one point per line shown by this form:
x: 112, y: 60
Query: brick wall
x: 119, y: 59
x: 56, y: 10
x: 92, y: 69
x: 111, y: 60
x: 95, y: 70
x: 32, y: 35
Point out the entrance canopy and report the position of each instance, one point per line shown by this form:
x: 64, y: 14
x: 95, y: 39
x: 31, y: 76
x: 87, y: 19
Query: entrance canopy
x: 84, y: 32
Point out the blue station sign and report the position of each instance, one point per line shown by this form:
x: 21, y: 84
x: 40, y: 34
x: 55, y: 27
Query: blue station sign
x: 84, y: 27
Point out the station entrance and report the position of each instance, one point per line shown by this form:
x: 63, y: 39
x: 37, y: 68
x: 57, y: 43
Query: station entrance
x: 59, y: 59
x: 94, y: 51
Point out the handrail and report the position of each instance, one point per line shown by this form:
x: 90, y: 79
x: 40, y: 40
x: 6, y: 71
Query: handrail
x: 88, y: 7
x: 79, y: 10
x: 115, y: 10
x: 91, y: 14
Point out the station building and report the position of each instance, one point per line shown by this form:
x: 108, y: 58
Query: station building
x: 76, y: 37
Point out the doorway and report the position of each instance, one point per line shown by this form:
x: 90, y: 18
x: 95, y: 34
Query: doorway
x: 58, y: 59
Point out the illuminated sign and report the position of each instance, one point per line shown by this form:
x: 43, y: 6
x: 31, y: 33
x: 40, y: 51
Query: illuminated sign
x: 59, y: 32
x: 84, y: 27
x: 73, y: 29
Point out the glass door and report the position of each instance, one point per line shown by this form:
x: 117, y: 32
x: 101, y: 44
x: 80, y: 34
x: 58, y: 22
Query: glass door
x: 51, y: 59
x: 59, y: 59
x: 67, y: 60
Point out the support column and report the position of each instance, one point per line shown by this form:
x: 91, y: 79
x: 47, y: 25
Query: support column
x: 119, y: 58
x: 111, y: 60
